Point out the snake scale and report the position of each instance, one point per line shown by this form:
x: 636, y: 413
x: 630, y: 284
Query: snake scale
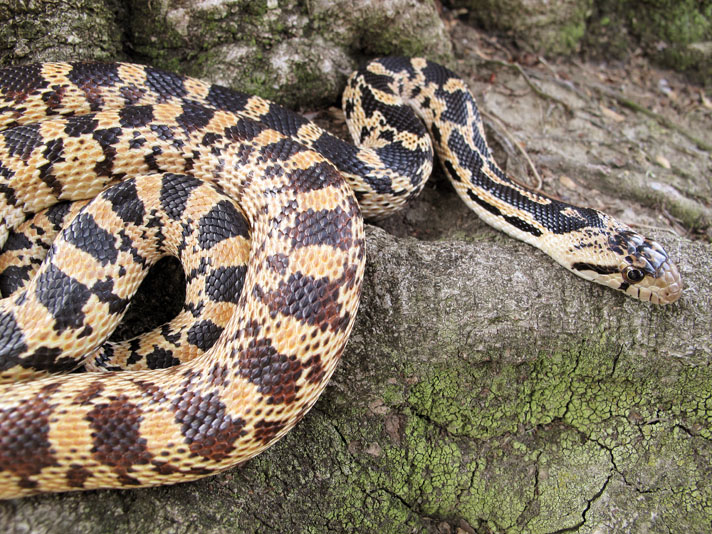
x: 264, y: 210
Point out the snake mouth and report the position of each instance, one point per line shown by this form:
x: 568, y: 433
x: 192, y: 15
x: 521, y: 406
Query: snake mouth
x: 668, y: 284
x: 662, y: 287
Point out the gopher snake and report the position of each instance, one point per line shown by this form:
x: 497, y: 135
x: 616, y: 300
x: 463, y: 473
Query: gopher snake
x: 164, y: 159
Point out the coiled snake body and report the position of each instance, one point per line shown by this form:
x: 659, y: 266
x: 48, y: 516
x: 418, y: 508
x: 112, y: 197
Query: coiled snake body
x: 176, y: 166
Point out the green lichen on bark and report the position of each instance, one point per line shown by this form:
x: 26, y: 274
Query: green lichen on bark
x: 675, y: 33
x: 45, y: 30
x: 540, y: 26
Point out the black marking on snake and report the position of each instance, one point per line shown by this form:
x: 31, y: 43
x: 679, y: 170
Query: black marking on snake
x: 201, y: 269
x: 175, y: 192
x: 126, y: 244
x: 436, y: 134
x: 345, y: 157
x: 435, y: 74
x: 160, y: 358
x: 456, y: 110
x: 21, y: 141
x: 150, y: 158
x: 494, y: 210
x: 171, y: 338
x: 244, y: 130
x: 80, y: 125
x: 469, y: 159
x: 275, y: 374
x: 165, y: 84
x: 224, y: 284
x: 135, y: 116
x: 208, y: 429
x: 194, y: 116
x: 53, y: 98
x: 47, y: 359
x: 223, y: 221
x: 125, y: 202
x: 386, y: 135
x: 281, y: 150
x: 117, y: 440
x: 378, y: 81
x: 273, y: 171
x: 14, y: 277
x: 89, y: 76
x: 53, y: 153
x: 131, y: 93
x: 56, y: 214
x: 63, y: 296
x: 163, y: 132
x: 227, y: 99
x: 134, y: 355
x: 397, y: 64
x: 17, y: 241
x: 85, y: 234
x: 600, y: 269
x: 210, y: 138
x: 106, y: 138
x: 14, y: 342
x: 404, y: 160
x: 5, y: 190
x: 17, y: 83
x: 283, y: 120
x: 319, y: 176
x: 313, y: 301
x: 103, y: 290
x: 322, y: 227
x: 204, y: 334
x: 136, y: 142
x: 29, y: 454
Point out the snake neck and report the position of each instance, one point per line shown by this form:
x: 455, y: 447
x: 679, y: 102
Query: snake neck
x: 415, y: 94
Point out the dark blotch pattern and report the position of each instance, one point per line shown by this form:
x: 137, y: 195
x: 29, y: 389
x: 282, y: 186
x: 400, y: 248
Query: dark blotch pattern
x: 135, y: 116
x: 224, y: 284
x: 307, y: 299
x: 209, y: 431
x: 194, y: 117
x: 125, y: 202
x: 160, y: 358
x: 85, y: 234
x: 223, y: 221
x: 274, y: 374
x: 17, y: 83
x: 21, y: 141
x: 322, y: 227
x: 64, y: 298
x: 14, y: 342
x: 116, y: 437
x: 25, y: 450
x: 175, y: 191
x: 204, y: 334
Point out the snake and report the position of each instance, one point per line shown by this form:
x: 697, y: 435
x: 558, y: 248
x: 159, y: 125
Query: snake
x: 107, y: 167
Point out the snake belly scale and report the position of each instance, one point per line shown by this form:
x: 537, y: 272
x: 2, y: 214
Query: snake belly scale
x: 176, y: 166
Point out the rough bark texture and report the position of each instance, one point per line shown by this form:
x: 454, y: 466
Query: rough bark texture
x: 484, y: 389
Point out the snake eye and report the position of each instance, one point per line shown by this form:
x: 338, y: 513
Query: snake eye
x: 633, y: 275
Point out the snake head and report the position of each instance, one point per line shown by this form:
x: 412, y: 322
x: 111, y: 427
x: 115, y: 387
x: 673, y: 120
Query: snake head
x: 635, y: 265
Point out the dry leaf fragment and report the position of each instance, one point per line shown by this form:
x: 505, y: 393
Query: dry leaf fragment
x: 608, y: 112
x: 706, y: 102
x: 662, y: 161
x: 567, y: 182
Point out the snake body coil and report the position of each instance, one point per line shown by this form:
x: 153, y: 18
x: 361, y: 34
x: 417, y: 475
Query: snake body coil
x: 176, y: 166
